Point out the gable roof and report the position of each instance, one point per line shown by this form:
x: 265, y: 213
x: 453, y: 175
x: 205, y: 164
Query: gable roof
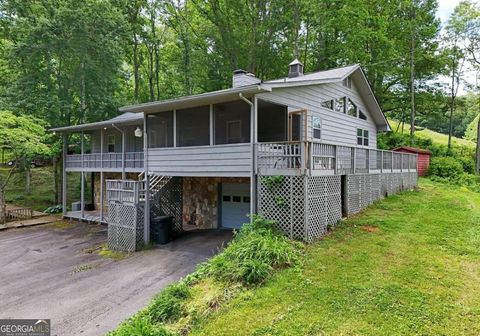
x: 338, y: 75
x: 412, y: 150
x: 123, y: 119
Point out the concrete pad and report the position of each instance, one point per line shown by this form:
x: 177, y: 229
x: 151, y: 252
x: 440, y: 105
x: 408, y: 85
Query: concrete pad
x: 54, y: 272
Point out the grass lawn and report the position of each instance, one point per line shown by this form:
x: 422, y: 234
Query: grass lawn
x: 407, y: 265
x: 437, y: 138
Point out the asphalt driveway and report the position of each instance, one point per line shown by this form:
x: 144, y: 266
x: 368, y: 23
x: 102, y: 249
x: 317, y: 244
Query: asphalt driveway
x: 54, y: 272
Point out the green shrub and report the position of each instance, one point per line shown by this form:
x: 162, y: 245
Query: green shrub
x: 446, y: 167
x: 468, y: 164
x: 54, y: 209
x: 169, y: 304
x: 254, y: 253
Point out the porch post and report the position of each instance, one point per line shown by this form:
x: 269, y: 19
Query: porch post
x: 253, y: 140
x: 174, y: 128
x: 146, y: 224
x: 102, y: 181
x: 64, y: 174
x: 124, y: 142
x: 82, y: 179
x: 211, y: 125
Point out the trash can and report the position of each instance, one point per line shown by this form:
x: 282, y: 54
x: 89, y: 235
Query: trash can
x: 160, y: 229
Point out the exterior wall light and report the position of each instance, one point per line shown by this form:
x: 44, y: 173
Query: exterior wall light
x: 138, y: 132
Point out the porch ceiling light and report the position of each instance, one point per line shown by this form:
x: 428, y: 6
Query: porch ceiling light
x: 138, y: 132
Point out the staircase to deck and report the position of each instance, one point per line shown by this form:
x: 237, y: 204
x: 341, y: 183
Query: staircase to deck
x: 156, y: 184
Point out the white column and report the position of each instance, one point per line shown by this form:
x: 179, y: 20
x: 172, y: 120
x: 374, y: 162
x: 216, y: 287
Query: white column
x: 124, y: 145
x: 64, y: 174
x: 146, y: 223
x: 82, y: 179
x: 211, y: 126
x: 253, y: 140
x: 102, y: 180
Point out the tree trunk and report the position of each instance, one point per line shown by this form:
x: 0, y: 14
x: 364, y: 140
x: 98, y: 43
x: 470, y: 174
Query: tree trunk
x: 27, y: 176
x: 477, y: 154
x: 412, y: 83
x: 55, y: 180
x: 3, y: 206
x: 136, y: 69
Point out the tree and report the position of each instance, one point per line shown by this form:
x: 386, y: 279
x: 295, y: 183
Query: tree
x: 26, y: 137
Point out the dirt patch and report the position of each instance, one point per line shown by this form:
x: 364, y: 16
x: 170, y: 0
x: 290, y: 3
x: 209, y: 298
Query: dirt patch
x: 369, y: 228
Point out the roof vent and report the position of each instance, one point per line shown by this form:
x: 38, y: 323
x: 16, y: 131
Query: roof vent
x: 295, y: 69
x: 243, y: 78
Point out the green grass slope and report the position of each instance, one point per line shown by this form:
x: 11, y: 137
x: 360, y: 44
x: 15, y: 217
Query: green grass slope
x: 437, y: 138
x: 408, y: 265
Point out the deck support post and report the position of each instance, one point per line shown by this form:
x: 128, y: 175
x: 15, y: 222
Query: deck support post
x: 102, y: 180
x: 146, y: 217
x: 82, y: 179
x: 64, y: 174
x: 253, y: 141
x: 124, y: 143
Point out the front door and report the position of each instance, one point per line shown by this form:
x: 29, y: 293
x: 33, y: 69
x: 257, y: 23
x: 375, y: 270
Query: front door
x: 235, y: 204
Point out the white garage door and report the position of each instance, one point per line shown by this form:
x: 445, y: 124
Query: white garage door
x: 235, y: 204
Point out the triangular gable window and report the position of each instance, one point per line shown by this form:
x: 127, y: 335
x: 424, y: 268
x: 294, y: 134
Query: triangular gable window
x: 351, y: 108
x: 328, y: 104
x: 361, y: 115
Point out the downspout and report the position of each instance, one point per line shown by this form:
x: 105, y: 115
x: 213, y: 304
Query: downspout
x: 252, y: 148
x: 123, y: 149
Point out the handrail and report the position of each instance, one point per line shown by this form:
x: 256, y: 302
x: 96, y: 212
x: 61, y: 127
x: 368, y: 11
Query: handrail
x: 105, y: 160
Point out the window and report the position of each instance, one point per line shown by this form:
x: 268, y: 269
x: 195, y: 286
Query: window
x: 362, y: 137
x: 347, y: 82
x: 234, y: 131
x: 361, y: 115
x: 111, y: 143
x: 317, y: 127
x: 340, y: 105
x: 226, y: 198
x: 351, y: 108
x: 236, y: 199
x: 328, y: 104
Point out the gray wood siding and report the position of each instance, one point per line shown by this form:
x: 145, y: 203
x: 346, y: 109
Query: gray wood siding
x: 134, y: 144
x: 337, y: 128
x: 220, y: 160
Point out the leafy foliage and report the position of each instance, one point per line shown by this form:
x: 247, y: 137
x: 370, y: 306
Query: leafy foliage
x: 256, y: 251
x: 446, y: 167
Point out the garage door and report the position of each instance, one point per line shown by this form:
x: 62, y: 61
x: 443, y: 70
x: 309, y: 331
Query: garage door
x: 235, y: 204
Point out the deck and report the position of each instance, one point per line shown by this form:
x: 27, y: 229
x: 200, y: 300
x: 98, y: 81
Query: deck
x: 90, y: 216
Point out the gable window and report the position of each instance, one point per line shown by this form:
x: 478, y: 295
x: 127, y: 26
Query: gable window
x: 328, y: 104
x: 340, y: 105
x: 234, y: 131
x: 362, y: 137
x: 351, y: 108
x: 347, y: 82
x: 111, y: 143
x: 362, y: 115
x: 317, y: 128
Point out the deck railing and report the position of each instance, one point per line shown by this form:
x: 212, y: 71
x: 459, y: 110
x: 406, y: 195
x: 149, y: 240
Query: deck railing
x: 105, y: 160
x: 125, y: 191
x: 328, y: 159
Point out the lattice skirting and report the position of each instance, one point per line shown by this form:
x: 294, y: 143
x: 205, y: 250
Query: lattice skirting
x: 363, y: 190
x: 304, y: 206
x: 125, y: 226
x: 169, y: 202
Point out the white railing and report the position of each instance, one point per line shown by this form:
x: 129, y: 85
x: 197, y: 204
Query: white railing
x: 125, y: 191
x: 330, y: 159
x: 133, y: 160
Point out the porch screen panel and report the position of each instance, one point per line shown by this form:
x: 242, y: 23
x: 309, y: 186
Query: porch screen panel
x: 160, y: 129
x: 232, y: 123
x: 272, y: 122
x: 193, y: 126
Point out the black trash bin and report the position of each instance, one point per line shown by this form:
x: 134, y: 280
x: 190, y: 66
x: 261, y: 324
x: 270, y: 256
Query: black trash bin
x: 161, y: 229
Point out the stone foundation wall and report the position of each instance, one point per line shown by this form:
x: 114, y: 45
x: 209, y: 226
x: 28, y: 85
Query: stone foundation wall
x: 200, y: 199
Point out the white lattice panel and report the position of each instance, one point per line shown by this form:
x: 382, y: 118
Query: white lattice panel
x: 125, y: 226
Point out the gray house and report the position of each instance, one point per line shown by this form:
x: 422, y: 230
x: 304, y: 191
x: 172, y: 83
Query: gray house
x: 301, y: 150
